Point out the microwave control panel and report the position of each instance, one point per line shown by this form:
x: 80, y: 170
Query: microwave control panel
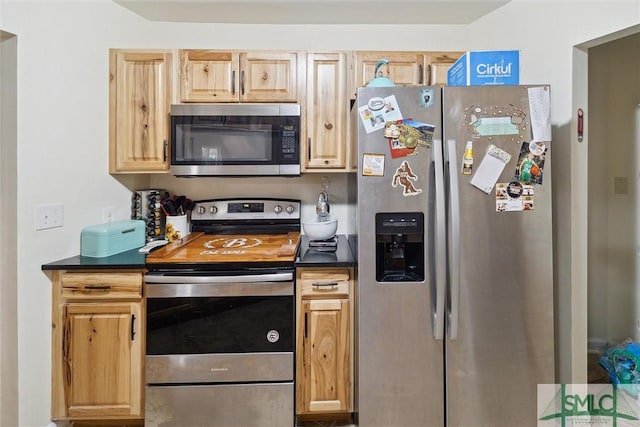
x: 289, y: 144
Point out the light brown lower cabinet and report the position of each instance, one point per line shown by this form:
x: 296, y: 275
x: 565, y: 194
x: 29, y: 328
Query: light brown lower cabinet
x: 97, y: 345
x: 324, y: 356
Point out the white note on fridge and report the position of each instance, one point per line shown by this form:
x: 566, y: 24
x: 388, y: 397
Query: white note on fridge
x: 539, y: 107
x: 490, y: 168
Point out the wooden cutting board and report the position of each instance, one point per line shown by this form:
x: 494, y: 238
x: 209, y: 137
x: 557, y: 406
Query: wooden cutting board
x: 203, y: 248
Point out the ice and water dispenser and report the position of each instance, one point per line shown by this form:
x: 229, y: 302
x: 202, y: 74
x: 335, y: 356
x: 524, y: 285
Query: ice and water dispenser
x: 400, y: 247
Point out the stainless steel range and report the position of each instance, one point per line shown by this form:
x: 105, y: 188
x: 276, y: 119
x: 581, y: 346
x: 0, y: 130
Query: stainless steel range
x: 220, y: 318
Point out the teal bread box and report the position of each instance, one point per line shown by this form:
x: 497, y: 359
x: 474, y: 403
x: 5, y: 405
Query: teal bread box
x: 103, y: 240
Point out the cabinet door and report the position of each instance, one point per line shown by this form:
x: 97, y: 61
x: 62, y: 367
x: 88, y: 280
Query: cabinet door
x: 404, y: 68
x: 139, y: 111
x: 269, y: 77
x: 438, y: 64
x: 102, y: 359
x: 209, y: 76
x: 326, y: 379
x: 327, y: 112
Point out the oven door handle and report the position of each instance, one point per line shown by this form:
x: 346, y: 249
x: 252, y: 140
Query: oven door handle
x: 249, y: 278
x: 279, y: 284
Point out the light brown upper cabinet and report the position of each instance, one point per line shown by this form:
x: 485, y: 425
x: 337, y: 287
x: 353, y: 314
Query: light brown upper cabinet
x: 139, y: 99
x: 437, y: 65
x: 405, y: 68
x: 325, y: 147
x: 228, y: 76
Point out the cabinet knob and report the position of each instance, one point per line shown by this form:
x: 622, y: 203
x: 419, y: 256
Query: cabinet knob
x: 328, y: 126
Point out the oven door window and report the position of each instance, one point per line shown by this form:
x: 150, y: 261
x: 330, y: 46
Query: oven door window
x: 201, y: 325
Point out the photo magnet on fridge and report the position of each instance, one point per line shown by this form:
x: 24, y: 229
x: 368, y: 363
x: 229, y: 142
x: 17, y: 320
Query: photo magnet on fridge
x: 374, y: 115
x: 514, y: 196
x: 406, y: 136
x: 530, y: 166
x: 426, y: 98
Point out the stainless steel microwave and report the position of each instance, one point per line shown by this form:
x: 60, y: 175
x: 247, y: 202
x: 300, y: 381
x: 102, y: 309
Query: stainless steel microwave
x: 235, y: 139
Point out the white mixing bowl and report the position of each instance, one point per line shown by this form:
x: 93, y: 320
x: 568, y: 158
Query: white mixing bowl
x: 320, y: 230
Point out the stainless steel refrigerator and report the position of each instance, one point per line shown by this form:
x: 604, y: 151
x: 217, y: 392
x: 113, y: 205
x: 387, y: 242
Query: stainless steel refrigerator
x: 454, y: 248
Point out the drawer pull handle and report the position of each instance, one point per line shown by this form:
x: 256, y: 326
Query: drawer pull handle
x: 97, y: 287
x: 324, y: 284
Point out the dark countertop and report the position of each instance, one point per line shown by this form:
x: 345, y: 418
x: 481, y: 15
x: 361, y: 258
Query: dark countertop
x: 342, y: 257
x: 129, y: 259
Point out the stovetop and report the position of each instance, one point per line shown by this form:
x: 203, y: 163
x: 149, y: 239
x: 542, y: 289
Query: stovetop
x: 235, y: 233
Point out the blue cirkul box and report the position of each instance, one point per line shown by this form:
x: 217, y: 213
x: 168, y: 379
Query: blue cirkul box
x: 485, y: 67
x: 112, y: 238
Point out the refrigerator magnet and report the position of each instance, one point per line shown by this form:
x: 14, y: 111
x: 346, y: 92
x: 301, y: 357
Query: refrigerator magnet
x: 404, y: 176
x: 372, y: 164
x: 426, y: 98
x: 379, y: 111
x: 530, y: 166
x: 514, y: 196
x: 406, y: 135
x: 490, y: 168
x: 494, y: 120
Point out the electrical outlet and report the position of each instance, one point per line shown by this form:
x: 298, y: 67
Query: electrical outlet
x: 108, y: 214
x: 49, y: 216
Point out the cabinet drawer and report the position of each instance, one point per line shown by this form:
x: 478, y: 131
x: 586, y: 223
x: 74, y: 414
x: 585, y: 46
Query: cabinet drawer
x: 101, y: 285
x: 319, y: 283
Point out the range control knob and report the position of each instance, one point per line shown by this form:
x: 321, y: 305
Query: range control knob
x: 277, y: 209
x: 290, y: 209
x: 201, y: 210
x: 213, y: 210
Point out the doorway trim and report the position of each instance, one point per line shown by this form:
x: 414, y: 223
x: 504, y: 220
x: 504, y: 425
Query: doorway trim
x: 8, y: 231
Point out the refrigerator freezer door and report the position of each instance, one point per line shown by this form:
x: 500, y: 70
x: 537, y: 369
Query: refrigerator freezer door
x: 400, y: 362
x: 504, y: 345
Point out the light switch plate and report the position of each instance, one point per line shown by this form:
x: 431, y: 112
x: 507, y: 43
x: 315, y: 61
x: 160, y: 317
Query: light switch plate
x: 49, y: 216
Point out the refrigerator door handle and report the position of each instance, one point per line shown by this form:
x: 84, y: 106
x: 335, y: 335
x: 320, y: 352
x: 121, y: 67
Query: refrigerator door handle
x: 439, y: 257
x: 453, y: 304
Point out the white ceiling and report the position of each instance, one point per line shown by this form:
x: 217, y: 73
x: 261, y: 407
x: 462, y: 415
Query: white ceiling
x: 314, y: 11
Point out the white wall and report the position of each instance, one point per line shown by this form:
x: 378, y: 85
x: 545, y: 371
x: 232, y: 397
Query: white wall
x: 63, y: 117
x: 613, y: 214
